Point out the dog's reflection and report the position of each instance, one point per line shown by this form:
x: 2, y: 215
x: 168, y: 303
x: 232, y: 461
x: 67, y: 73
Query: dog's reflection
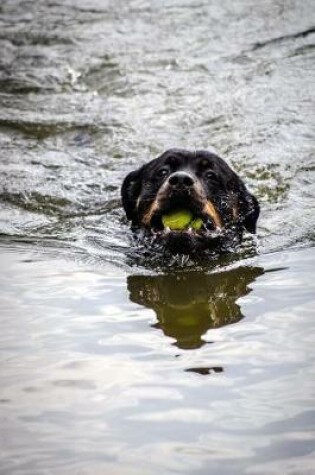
x: 188, y: 304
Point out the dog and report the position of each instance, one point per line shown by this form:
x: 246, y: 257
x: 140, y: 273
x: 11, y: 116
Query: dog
x: 199, y: 182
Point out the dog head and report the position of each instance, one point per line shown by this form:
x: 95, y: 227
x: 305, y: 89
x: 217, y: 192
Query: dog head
x: 199, y: 182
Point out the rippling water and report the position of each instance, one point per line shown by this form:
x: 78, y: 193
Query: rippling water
x: 111, y: 365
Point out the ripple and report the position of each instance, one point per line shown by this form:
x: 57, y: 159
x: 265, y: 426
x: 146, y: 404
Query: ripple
x: 98, y: 340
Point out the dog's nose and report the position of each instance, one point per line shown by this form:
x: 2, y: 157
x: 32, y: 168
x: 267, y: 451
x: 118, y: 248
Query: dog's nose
x: 181, y: 180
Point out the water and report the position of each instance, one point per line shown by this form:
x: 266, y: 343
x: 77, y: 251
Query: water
x: 111, y: 364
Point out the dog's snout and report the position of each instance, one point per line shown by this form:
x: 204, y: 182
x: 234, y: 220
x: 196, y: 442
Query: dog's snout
x: 181, y: 180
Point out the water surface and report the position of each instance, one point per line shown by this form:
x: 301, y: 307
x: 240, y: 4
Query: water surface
x: 111, y: 363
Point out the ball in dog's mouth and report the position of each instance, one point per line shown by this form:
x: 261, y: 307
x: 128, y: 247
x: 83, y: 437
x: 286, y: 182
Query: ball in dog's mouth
x: 180, y: 222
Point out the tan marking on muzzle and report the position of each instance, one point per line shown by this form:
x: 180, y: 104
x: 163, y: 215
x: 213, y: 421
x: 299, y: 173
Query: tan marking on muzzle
x: 146, y: 220
x: 210, y: 210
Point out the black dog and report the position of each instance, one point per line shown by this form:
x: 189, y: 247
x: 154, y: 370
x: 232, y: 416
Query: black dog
x: 199, y: 182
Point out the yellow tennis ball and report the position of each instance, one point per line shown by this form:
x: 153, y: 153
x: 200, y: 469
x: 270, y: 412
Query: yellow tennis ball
x: 177, y: 220
x: 196, y: 224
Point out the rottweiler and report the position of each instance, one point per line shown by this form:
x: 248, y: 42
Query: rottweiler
x: 198, y: 182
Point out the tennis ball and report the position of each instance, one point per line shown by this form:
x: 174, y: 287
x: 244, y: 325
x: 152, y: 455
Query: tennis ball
x: 177, y: 220
x: 196, y: 224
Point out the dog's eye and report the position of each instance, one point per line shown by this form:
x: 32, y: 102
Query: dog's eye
x: 210, y: 175
x: 163, y: 172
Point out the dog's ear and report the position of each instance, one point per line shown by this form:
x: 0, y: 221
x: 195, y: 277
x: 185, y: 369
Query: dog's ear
x: 130, y: 192
x: 248, y: 209
x: 245, y: 206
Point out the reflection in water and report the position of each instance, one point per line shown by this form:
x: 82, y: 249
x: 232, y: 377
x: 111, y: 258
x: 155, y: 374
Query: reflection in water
x: 187, y: 304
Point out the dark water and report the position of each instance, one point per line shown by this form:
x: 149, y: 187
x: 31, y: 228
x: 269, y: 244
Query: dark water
x: 109, y: 364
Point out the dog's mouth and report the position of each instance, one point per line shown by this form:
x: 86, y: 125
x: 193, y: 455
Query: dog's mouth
x: 184, y: 224
x: 183, y: 221
x: 183, y: 232
x: 193, y: 220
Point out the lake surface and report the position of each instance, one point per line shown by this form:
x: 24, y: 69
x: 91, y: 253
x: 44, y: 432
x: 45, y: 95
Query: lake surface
x: 114, y: 364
